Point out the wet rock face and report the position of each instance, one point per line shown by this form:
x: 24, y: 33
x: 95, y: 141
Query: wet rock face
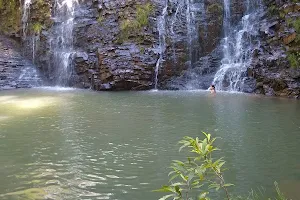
x: 274, y: 71
x: 130, y: 63
x: 111, y: 57
x: 15, y: 71
x: 211, y: 37
x: 192, y: 42
x: 10, y: 18
x: 122, y: 68
x: 114, y: 51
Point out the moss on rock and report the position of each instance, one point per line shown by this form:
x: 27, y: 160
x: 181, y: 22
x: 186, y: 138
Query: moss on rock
x: 10, y: 17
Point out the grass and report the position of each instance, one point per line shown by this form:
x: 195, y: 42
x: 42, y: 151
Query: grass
x: 294, y: 59
x: 215, y: 8
x: 134, y: 26
x: 296, y: 25
x: 37, y: 27
x: 100, y: 19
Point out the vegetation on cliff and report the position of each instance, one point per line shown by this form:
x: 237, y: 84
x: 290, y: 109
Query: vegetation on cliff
x: 10, y: 15
x: 134, y: 26
x: 294, y: 53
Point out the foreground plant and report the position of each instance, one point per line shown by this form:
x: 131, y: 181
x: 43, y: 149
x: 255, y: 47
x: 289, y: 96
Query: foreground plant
x: 201, y: 173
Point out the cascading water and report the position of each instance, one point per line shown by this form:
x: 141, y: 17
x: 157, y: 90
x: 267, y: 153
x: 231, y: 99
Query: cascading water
x: 161, y: 25
x: 25, y: 15
x: 32, y: 40
x: 175, y: 14
x: 237, y: 47
x: 192, y: 9
x: 61, y: 42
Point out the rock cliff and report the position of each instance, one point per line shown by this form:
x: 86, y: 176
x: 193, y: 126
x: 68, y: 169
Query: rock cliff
x: 128, y: 44
x: 15, y: 71
x: 276, y: 64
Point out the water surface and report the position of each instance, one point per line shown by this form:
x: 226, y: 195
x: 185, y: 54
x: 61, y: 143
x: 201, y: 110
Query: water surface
x: 75, y: 144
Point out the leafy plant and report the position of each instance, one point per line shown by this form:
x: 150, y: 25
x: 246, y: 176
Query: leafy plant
x: 215, y: 8
x: 273, y: 9
x: 294, y: 59
x: 37, y: 28
x: 134, y: 26
x: 296, y: 25
x: 100, y: 19
x: 142, y: 14
x: 201, y: 172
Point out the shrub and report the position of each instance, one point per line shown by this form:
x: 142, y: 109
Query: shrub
x: 215, y: 8
x: 134, y: 26
x: 142, y: 14
x: 294, y: 59
x: 100, y: 19
x: 202, y: 172
x: 37, y: 28
x: 296, y: 25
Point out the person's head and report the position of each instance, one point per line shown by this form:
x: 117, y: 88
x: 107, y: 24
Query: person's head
x: 213, y: 86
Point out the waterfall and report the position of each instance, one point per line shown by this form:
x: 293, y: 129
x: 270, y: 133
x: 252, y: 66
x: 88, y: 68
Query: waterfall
x: 25, y: 15
x: 33, y: 39
x: 61, y: 41
x: 237, y: 46
x: 34, y: 42
x: 173, y: 22
x: 161, y: 25
x: 186, y: 15
x: 192, y: 9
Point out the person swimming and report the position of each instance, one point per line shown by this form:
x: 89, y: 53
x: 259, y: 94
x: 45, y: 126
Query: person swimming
x: 212, y: 89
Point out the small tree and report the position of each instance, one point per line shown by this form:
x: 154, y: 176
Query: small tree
x: 201, y: 172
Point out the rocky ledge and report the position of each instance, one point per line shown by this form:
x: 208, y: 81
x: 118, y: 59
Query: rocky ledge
x: 15, y: 71
x: 275, y: 69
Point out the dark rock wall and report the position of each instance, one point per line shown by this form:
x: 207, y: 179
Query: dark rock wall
x: 117, y: 46
x: 196, y: 60
x: 111, y: 54
x: 15, y: 71
x: 276, y: 65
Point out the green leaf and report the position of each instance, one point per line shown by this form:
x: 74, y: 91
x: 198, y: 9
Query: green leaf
x: 228, y: 185
x: 173, y: 177
x: 177, y: 184
x: 178, y: 162
x: 172, y: 172
x: 203, y: 195
x: 177, y: 167
x: 214, y: 185
x: 197, y: 186
x: 183, y: 177
x: 165, y: 188
x: 200, y: 170
x: 184, y: 145
x: 190, y: 176
x: 205, y: 134
x: 221, y: 164
x: 178, y: 190
x: 167, y: 196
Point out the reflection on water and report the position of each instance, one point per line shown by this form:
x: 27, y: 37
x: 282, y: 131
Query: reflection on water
x: 15, y: 102
x: 75, y: 144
